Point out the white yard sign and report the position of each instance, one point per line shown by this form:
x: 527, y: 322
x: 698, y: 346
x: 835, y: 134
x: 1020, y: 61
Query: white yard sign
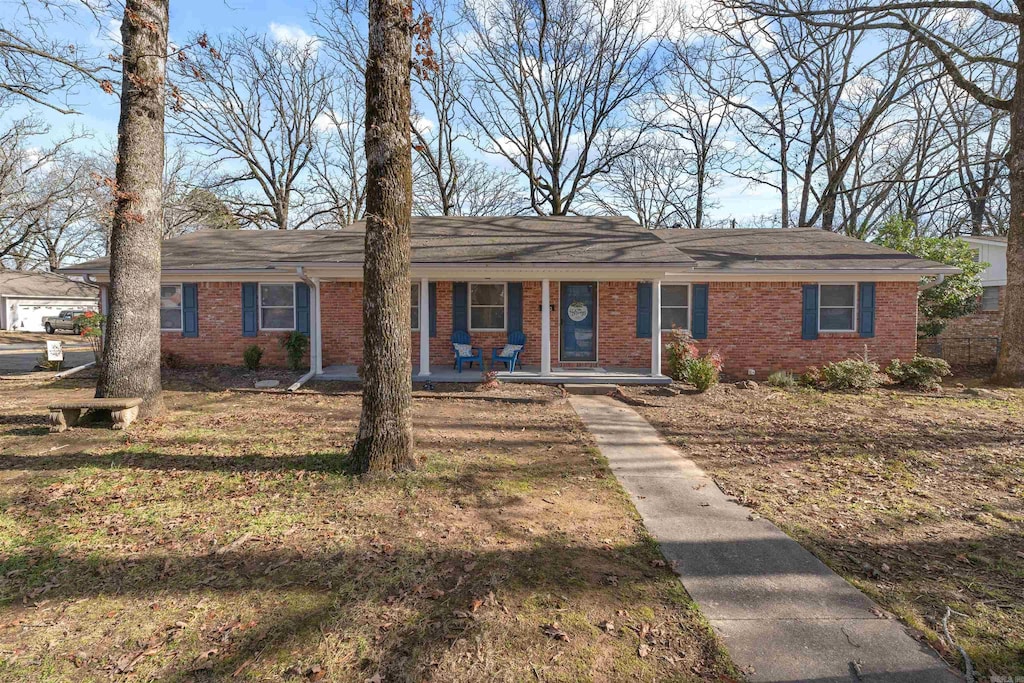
x: 55, y: 350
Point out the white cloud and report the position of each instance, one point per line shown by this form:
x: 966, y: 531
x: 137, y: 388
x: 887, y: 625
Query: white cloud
x: 290, y: 33
x: 422, y: 123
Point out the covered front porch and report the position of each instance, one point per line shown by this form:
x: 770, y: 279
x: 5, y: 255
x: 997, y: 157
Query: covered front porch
x: 527, y: 374
x: 588, y: 326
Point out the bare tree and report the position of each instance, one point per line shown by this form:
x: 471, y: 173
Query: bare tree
x: 253, y: 103
x: 338, y: 165
x: 384, y: 441
x: 38, y: 183
x: 549, y: 87
x: 37, y: 66
x: 131, y: 351
x: 968, y: 38
x: 655, y: 183
x: 698, y: 118
x: 476, y: 188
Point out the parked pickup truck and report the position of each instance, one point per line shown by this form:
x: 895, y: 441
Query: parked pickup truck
x: 64, y: 321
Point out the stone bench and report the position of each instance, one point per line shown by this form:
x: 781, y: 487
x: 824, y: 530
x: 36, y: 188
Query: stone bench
x: 67, y: 413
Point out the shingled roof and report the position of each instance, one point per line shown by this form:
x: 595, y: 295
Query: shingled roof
x: 39, y: 284
x: 539, y: 241
x: 790, y: 249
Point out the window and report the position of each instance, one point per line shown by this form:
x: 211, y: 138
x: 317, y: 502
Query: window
x: 277, y: 307
x: 837, y: 308
x: 415, y: 307
x: 170, y: 307
x: 990, y: 299
x: 675, y: 307
x: 487, y: 307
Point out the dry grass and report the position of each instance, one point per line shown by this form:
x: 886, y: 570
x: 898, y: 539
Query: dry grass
x: 917, y: 499
x: 227, y: 541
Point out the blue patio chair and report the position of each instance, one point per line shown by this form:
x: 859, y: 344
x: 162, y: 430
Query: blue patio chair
x: 511, y: 360
x: 475, y: 355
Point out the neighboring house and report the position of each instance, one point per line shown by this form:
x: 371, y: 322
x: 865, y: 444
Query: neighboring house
x: 26, y: 297
x: 601, y: 288
x: 974, y: 338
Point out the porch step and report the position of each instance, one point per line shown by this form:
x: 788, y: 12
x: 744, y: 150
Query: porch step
x: 590, y: 389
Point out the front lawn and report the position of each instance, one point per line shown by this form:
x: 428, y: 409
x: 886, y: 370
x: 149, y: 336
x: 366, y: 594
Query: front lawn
x: 227, y: 541
x: 917, y: 499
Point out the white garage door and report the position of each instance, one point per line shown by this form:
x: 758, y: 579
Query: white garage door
x: 29, y: 317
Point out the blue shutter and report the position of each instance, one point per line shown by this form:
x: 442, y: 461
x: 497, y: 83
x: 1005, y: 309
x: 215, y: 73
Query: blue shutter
x: 460, y: 309
x: 699, y: 326
x: 515, y: 307
x: 250, y: 309
x: 809, y: 329
x: 189, y: 310
x: 302, y: 308
x: 643, y: 310
x: 432, y: 293
x: 867, y: 309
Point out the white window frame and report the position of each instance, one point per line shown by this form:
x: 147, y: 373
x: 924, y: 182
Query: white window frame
x: 689, y: 305
x: 981, y: 300
x: 469, y: 307
x: 259, y: 307
x: 415, y: 303
x: 181, y: 307
x: 856, y: 300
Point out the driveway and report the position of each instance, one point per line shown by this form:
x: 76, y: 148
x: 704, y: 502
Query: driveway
x: 17, y: 359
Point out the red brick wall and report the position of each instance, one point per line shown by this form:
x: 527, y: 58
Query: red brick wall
x: 758, y: 325
x: 971, y: 339
x: 752, y: 324
x: 220, y: 340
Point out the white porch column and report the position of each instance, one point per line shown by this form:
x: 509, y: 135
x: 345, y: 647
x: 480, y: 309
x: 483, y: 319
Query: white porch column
x: 424, y: 327
x: 656, y: 328
x: 545, y: 327
x: 318, y: 334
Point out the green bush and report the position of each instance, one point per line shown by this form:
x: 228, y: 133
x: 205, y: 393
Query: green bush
x: 295, y: 345
x: 811, y: 377
x: 252, y: 356
x: 851, y: 374
x: 920, y: 373
x: 702, y: 373
x: 781, y: 379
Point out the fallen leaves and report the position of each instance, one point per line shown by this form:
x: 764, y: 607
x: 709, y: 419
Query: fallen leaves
x: 553, y: 630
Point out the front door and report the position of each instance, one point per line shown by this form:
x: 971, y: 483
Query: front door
x: 578, y: 321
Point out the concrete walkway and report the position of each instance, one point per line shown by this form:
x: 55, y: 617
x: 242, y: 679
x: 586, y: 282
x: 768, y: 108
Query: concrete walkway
x: 782, y: 614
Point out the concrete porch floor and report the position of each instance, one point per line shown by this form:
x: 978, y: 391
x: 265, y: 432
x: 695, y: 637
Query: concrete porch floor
x: 528, y: 374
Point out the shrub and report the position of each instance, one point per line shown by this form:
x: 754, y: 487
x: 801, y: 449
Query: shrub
x: 702, y: 373
x: 811, y: 377
x: 295, y: 345
x: 90, y: 326
x: 252, y: 356
x: 850, y: 374
x: 47, y: 364
x: 685, y: 364
x: 920, y: 373
x: 781, y: 379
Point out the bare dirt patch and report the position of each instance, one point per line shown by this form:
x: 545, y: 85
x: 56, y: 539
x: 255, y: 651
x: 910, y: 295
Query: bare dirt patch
x: 917, y: 499
x: 227, y: 541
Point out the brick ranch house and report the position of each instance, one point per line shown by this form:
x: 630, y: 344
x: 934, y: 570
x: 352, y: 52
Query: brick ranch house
x: 589, y: 293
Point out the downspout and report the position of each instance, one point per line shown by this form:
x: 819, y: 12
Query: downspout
x: 315, y: 350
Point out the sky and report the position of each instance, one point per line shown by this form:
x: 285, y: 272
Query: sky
x: 285, y: 20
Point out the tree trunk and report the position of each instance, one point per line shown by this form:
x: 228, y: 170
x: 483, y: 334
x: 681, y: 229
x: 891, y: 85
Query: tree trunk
x: 1010, y: 367
x: 384, y: 442
x: 131, y: 352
